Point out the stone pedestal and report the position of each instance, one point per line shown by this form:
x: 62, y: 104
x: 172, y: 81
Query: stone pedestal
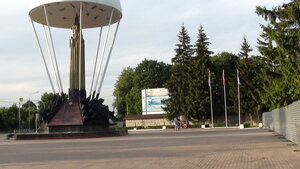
x: 68, y: 115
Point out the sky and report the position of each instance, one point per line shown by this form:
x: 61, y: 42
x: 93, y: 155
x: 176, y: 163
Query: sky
x: 148, y: 30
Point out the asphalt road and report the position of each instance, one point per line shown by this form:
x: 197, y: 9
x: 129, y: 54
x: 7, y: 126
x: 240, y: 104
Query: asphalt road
x: 190, y: 148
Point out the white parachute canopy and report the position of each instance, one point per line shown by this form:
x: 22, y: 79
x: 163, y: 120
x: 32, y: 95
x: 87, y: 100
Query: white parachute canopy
x: 101, y: 14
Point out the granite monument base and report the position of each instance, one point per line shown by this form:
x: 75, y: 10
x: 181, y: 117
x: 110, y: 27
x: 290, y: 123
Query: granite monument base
x: 85, y: 132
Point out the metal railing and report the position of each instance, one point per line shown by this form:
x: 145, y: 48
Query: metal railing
x: 18, y: 131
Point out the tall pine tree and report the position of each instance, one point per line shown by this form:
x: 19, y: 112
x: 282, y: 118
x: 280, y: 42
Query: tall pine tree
x: 184, y: 49
x: 198, y: 92
x: 178, y: 83
x: 247, y: 71
x: 279, y: 44
x: 245, y: 49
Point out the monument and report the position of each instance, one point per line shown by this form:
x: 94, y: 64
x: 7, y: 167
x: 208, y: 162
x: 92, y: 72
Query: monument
x: 76, y: 114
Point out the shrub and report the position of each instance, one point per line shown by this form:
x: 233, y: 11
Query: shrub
x: 122, y: 128
x: 170, y: 126
x: 219, y: 125
x: 154, y: 127
x: 140, y: 127
x: 5, y: 131
x: 246, y: 124
x: 194, y: 126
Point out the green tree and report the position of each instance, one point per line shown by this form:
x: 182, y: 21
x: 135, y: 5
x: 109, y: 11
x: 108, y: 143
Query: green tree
x: 245, y: 49
x: 246, y: 78
x: 179, y: 80
x: 198, y: 92
x: 147, y: 74
x: 184, y: 50
x: 151, y: 74
x: 228, y: 62
x: 3, y: 119
x: 9, y: 118
x: 46, y: 99
x: 123, y: 86
x: 279, y: 44
x: 259, y: 66
x: 29, y: 110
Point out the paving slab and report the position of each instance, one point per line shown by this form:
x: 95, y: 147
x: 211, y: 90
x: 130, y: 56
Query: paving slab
x: 156, y: 149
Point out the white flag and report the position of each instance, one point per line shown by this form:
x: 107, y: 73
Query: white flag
x: 209, y: 78
x: 238, y: 77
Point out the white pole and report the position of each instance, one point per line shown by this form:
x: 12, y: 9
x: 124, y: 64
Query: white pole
x: 51, y: 40
x: 103, y: 50
x: 20, y: 101
x: 97, y: 55
x: 43, y: 56
x: 225, y: 106
x: 108, y: 58
x: 36, y: 119
x: 146, y: 101
x: 29, y: 119
x: 127, y: 108
x: 51, y: 59
x: 211, y: 102
x: 19, y: 114
x: 80, y: 45
x: 239, y: 101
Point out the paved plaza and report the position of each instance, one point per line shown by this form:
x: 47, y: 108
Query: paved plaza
x: 157, y: 149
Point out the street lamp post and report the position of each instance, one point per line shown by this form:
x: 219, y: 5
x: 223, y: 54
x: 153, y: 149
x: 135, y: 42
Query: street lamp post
x: 36, y: 119
x: 19, y: 114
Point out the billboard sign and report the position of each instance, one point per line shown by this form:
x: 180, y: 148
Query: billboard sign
x: 152, y: 100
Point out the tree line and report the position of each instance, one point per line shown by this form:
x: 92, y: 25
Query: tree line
x: 148, y: 74
x: 268, y: 81
x: 9, y: 117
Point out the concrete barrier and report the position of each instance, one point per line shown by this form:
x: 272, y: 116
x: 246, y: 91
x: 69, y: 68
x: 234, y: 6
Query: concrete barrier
x: 285, y: 121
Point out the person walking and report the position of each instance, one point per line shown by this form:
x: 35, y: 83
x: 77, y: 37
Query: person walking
x: 177, y: 124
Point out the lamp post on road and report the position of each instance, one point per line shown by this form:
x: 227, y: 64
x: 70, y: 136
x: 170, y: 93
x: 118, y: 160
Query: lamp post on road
x: 20, y: 101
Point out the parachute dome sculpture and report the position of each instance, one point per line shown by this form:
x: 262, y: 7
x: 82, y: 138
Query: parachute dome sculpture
x: 79, y: 108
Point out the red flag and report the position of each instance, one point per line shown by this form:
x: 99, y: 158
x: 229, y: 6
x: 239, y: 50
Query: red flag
x: 223, y: 78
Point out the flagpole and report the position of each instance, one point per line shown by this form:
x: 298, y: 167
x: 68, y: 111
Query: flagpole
x: 239, y: 101
x: 211, y: 103
x: 225, y: 106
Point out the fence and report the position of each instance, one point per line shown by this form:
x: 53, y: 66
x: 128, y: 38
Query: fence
x: 285, y: 121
